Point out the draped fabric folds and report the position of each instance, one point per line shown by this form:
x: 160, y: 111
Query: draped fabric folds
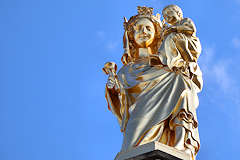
x: 159, y: 102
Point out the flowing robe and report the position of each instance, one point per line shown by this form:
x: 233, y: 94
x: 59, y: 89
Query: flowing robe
x: 159, y: 102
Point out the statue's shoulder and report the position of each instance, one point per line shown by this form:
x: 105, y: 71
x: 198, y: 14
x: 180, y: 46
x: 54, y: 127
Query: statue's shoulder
x: 187, y: 20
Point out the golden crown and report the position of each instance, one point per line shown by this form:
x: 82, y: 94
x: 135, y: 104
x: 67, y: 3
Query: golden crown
x: 145, y: 10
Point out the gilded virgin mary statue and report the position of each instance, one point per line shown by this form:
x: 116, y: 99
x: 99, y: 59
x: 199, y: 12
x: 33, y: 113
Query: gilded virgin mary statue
x: 154, y: 94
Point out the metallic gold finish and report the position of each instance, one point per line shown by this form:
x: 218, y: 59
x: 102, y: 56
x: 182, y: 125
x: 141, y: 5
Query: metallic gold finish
x: 143, y: 33
x: 154, y: 94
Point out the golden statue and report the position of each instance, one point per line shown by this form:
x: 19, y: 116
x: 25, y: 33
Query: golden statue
x: 154, y: 94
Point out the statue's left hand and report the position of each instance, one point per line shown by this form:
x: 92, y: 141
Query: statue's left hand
x: 111, y: 82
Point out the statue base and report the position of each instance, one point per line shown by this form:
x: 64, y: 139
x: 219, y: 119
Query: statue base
x: 153, y: 151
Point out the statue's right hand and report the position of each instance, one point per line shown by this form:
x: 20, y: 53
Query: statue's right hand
x: 111, y: 82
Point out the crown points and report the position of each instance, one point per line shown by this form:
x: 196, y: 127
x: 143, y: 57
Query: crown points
x: 145, y: 10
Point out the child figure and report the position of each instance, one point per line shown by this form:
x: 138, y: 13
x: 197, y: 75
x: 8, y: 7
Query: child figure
x: 180, y: 48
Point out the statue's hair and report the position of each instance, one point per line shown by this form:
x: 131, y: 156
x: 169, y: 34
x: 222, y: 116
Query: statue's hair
x: 176, y: 8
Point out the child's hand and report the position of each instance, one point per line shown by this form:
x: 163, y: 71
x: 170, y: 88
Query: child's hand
x: 170, y: 30
x: 173, y: 28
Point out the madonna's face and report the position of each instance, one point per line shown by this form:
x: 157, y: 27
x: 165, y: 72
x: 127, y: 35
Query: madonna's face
x: 144, y: 32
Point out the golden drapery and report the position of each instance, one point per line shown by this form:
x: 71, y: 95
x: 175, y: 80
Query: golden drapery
x: 159, y: 102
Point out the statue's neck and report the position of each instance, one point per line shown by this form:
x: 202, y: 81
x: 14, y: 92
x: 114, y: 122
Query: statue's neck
x: 144, y: 52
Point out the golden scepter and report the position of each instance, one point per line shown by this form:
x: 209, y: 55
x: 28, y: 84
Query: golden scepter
x: 110, y: 68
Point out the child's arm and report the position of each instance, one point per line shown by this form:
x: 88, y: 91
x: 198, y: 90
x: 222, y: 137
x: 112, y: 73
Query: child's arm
x: 187, y: 27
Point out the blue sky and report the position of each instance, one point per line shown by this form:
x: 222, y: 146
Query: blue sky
x: 52, y: 104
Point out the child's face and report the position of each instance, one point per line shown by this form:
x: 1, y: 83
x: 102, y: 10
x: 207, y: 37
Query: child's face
x: 171, y: 16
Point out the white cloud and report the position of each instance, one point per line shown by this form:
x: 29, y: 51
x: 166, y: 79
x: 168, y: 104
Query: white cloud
x: 207, y: 55
x: 112, y: 45
x: 220, y: 80
x: 205, y: 61
x: 236, y: 41
x: 101, y: 34
x: 223, y: 78
x: 216, y: 71
x: 105, y: 41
